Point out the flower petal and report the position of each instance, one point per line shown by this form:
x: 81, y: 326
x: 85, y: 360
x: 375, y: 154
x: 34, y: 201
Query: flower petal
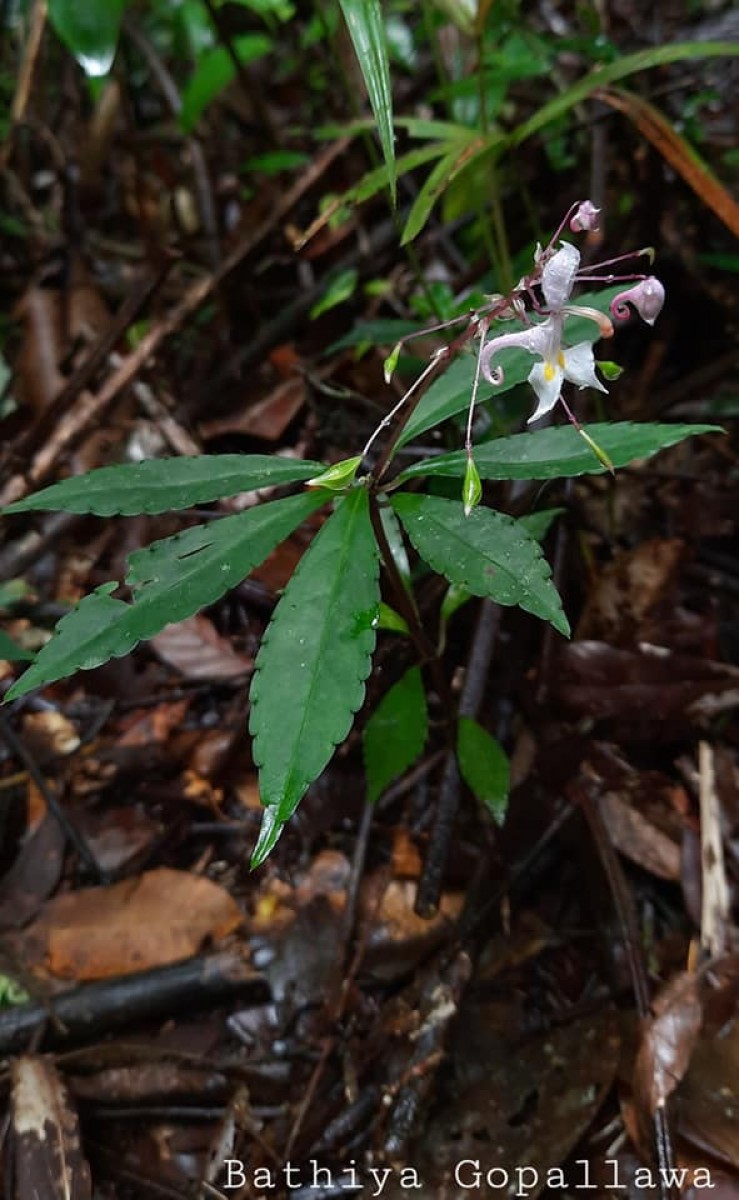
x: 547, y: 389
x: 537, y: 339
x: 580, y: 367
x: 558, y: 276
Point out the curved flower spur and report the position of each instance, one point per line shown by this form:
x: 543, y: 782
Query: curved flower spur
x: 544, y: 293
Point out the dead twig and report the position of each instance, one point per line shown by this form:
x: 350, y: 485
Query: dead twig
x: 196, y: 295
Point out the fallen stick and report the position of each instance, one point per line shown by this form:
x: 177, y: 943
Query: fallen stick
x: 94, y: 1009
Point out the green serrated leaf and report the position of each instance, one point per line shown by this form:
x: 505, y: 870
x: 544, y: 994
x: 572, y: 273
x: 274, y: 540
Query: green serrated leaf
x: 80, y: 641
x: 165, y: 484
x: 10, y: 651
x: 214, y: 72
x: 367, y: 31
x: 89, y: 30
x: 314, y: 659
x: 172, y: 579
x: 450, y: 393
x: 488, y: 553
x: 484, y: 766
x: 395, y: 734
x: 559, y: 452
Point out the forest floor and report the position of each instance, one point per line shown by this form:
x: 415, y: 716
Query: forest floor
x: 563, y: 1008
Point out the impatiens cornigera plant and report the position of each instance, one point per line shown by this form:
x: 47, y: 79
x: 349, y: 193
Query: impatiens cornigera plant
x: 317, y: 650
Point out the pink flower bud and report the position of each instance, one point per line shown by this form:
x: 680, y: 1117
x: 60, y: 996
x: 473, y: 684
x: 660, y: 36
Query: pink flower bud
x: 647, y: 297
x: 585, y: 218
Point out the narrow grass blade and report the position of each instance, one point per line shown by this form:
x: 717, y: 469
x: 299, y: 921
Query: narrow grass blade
x: 367, y: 31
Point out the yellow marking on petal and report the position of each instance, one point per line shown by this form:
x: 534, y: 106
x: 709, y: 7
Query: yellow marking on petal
x: 549, y: 372
x: 561, y: 359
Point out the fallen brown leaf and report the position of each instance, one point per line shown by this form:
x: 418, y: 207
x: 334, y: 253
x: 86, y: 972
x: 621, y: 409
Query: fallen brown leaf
x: 667, y: 1042
x: 34, y: 875
x: 160, y: 917
x: 267, y: 419
x: 638, y: 839
x: 197, y: 650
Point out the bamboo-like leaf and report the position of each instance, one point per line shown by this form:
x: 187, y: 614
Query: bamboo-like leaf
x: 599, y: 77
x: 622, y: 68
x: 166, y: 484
x: 559, y: 451
x: 488, y: 553
x: 459, y: 156
x: 677, y: 151
x: 171, y: 579
x: 369, y: 185
x: 314, y: 659
x: 395, y: 733
x: 367, y: 31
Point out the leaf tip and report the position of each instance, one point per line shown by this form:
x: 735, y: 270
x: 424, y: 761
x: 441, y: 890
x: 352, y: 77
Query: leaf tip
x: 269, y: 835
x: 562, y: 625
